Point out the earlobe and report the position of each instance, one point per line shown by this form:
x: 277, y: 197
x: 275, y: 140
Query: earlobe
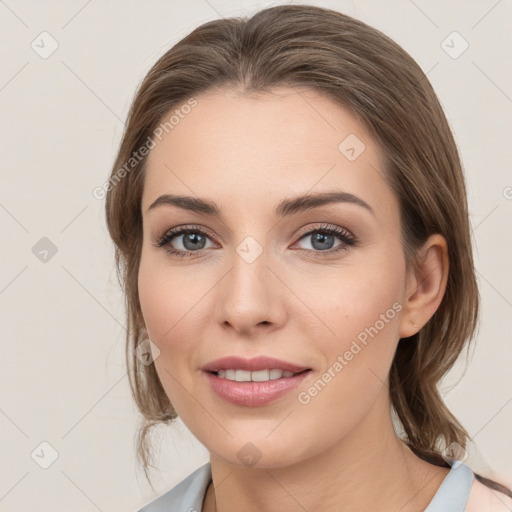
x: 426, y: 285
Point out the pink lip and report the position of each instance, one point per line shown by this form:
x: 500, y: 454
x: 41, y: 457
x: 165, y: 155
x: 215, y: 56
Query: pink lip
x: 253, y: 394
x: 254, y: 364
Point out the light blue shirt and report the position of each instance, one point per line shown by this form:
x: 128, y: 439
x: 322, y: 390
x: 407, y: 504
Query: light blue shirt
x: 188, y: 495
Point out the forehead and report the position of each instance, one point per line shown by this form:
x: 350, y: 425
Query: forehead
x: 263, y: 146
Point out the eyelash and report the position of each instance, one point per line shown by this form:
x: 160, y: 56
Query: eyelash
x: 347, y: 239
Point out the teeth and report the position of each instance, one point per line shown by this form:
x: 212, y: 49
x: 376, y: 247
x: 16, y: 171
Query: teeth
x: 275, y: 373
x: 258, y: 376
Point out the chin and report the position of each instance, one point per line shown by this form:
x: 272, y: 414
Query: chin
x: 262, y: 452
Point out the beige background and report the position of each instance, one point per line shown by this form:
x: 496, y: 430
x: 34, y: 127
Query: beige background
x: 62, y: 377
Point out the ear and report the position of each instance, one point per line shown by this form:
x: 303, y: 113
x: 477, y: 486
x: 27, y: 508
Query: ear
x: 425, y: 286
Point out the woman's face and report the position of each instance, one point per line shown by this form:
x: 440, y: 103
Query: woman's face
x: 265, y: 278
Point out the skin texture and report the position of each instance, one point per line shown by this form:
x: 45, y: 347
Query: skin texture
x: 483, y: 498
x: 247, y: 153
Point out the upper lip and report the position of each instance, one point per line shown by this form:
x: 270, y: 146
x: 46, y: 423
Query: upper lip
x: 253, y: 364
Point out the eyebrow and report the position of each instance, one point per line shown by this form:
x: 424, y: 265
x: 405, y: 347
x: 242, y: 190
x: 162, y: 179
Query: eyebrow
x: 284, y: 208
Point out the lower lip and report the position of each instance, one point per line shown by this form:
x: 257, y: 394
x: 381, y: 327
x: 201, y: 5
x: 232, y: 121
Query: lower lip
x: 254, y: 394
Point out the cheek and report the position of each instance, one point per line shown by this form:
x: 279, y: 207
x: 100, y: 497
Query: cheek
x: 164, y: 304
x: 346, y: 302
x: 369, y: 308
x: 357, y: 360
x: 175, y: 308
x: 170, y: 298
x: 360, y: 309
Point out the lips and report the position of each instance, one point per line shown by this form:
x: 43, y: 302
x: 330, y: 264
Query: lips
x: 254, y: 394
x: 254, y: 364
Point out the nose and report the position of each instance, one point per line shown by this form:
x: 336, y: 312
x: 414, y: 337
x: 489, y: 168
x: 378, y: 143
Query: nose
x: 248, y: 298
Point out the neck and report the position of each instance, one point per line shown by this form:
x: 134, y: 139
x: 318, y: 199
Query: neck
x: 368, y: 469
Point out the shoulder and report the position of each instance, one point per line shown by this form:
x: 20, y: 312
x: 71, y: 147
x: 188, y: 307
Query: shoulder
x: 186, y: 495
x: 482, y: 498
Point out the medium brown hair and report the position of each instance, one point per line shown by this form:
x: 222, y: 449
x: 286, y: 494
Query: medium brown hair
x: 365, y: 71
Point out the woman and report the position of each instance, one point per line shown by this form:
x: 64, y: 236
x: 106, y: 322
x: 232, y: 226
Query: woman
x: 291, y: 230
